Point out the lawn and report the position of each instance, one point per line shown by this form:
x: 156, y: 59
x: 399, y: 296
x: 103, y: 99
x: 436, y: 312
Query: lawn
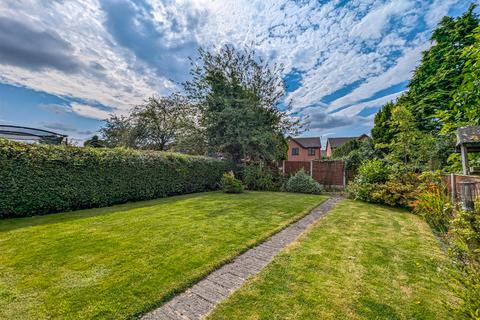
x: 361, y: 261
x: 120, y: 261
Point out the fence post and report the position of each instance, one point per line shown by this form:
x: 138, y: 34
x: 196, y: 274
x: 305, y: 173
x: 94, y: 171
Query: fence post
x: 467, y: 191
x: 283, y: 167
x: 453, y: 187
x: 311, y: 168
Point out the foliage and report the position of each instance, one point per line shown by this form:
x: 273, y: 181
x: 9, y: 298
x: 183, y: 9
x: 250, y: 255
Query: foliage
x: 354, y: 152
x: 464, y: 238
x: 383, y: 130
x: 258, y: 176
x: 442, y: 95
x: 442, y: 71
x: 38, y: 179
x: 465, y: 106
x: 303, y: 183
x: 378, y: 181
x: 154, y: 125
x: 373, y: 171
x: 432, y: 201
x: 95, y: 142
x: 398, y: 191
x: 237, y: 96
x: 414, y: 148
x: 229, y: 184
x: 125, y: 260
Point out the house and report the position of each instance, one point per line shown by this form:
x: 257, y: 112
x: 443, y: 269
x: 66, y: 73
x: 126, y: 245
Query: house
x: 304, y: 149
x: 334, y: 143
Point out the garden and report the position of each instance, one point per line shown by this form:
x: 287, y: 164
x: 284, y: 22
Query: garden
x: 183, y: 184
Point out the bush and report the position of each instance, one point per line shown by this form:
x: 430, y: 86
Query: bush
x: 303, y: 183
x: 371, y: 174
x: 398, y: 191
x: 432, y: 202
x: 262, y: 178
x: 373, y: 171
x: 464, y: 236
x: 39, y: 179
x: 229, y: 184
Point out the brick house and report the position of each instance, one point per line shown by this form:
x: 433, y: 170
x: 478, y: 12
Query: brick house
x: 334, y: 143
x: 304, y: 149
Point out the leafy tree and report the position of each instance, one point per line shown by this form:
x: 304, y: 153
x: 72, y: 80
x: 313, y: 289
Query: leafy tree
x: 159, y: 121
x: 441, y: 71
x: 154, y: 125
x: 238, y: 96
x: 465, y: 105
x: 383, y: 131
x: 414, y: 148
x: 94, y: 142
x: 117, y: 132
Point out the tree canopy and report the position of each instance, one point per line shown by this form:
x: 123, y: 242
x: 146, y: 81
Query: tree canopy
x: 238, y: 96
x: 443, y: 92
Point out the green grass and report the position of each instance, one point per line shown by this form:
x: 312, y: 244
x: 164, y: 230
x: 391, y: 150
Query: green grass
x: 116, y: 262
x: 361, y: 261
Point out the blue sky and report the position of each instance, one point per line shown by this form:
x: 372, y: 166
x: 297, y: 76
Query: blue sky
x: 66, y: 65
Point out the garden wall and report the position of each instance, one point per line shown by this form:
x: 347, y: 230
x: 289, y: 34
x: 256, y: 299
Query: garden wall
x: 40, y: 179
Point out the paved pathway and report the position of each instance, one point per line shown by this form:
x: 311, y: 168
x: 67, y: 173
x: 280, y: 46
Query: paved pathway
x: 199, y: 300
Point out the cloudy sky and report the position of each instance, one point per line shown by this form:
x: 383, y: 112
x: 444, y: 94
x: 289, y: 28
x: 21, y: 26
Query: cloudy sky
x: 66, y: 65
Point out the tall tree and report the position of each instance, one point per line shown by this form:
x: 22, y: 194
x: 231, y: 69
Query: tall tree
x: 238, y: 96
x: 441, y: 70
x: 160, y: 121
x: 383, y: 130
x: 155, y: 125
x: 465, y: 105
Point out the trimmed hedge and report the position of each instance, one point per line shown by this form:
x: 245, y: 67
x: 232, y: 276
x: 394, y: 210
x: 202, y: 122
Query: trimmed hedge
x: 40, y: 179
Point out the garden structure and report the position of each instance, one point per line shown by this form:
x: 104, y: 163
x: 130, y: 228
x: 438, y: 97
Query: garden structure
x: 468, y: 141
x: 32, y: 135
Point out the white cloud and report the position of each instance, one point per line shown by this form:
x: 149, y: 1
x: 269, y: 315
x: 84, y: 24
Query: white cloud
x: 374, y: 23
x: 399, y: 73
x: 332, y: 45
x: 89, y: 111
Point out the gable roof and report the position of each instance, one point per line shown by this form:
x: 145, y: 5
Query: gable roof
x: 338, y: 141
x: 312, y: 142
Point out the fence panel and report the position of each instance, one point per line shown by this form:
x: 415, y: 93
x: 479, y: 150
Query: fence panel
x: 291, y: 167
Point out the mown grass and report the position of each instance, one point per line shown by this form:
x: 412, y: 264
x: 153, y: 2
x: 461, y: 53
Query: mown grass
x: 120, y: 261
x: 361, y: 261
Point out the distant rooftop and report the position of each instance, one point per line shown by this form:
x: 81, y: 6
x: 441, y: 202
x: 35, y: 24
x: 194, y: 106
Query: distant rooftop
x: 338, y: 141
x: 312, y: 142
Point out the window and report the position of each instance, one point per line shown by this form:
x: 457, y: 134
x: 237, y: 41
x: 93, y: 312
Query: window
x: 295, y: 152
x: 311, y: 151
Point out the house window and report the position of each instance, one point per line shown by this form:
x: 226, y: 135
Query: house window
x: 311, y: 151
x: 295, y: 152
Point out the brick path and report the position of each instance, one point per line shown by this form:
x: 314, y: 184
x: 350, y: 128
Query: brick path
x: 199, y: 300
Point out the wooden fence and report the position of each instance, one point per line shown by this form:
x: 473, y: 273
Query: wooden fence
x: 454, y: 182
x: 329, y: 173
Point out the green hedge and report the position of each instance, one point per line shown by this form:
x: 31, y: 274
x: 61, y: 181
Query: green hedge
x: 40, y: 179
